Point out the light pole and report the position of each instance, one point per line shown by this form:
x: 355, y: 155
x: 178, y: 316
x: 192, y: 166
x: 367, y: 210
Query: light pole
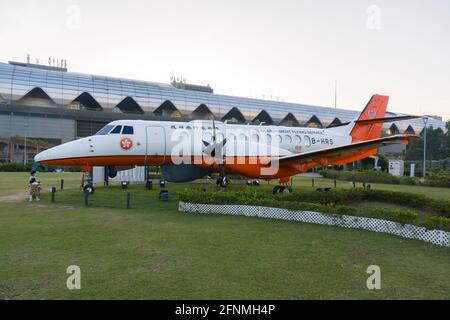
x: 425, y: 120
x: 25, y: 145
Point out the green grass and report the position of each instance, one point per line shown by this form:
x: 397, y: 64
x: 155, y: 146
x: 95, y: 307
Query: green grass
x: 152, y: 251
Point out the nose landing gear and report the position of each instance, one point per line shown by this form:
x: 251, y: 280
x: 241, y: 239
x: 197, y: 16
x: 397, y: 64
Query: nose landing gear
x: 223, y: 181
x: 282, y: 189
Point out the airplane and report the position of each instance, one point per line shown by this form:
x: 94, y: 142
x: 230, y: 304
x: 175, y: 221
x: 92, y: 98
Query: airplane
x: 187, y: 151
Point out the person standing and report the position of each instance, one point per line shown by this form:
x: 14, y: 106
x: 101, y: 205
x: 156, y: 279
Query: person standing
x: 34, y: 187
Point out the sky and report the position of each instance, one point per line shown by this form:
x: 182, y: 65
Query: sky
x: 287, y: 50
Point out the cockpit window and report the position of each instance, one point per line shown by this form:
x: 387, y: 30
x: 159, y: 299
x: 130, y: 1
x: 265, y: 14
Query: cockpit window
x: 127, y: 130
x: 116, y: 130
x: 104, y: 130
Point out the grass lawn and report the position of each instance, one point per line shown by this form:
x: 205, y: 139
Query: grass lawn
x: 152, y: 251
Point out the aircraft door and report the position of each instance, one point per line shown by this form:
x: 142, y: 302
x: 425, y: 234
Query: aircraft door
x: 156, y: 145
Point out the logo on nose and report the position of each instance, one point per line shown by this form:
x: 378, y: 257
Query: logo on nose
x: 126, y: 143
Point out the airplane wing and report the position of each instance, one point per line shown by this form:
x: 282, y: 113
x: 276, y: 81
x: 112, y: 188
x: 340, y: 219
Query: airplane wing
x: 348, y: 149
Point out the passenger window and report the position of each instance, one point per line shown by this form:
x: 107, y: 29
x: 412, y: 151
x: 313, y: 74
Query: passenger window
x: 184, y: 136
x: 279, y: 139
x: 116, y: 130
x: 207, y: 136
x: 307, y: 141
x: 288, y: 138
x: 297, y: 139
x: 243, y: 137
x: 127, y: 130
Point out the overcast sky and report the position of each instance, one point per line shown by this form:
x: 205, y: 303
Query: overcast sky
x: 293, y: 50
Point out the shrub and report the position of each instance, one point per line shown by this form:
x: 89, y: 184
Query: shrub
x: 332, y: 202
x: 340, y: 196
x: 436, y: 222
x: 15, y: 167
x: 408, y: 181
x: 439, y: 178
x: 402, y: 216
x: 362, y: 176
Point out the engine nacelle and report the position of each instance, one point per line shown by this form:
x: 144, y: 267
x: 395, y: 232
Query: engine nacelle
x: 183, y: 172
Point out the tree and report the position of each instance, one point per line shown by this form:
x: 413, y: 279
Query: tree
x: 383, y: 161
x: 438, y: 145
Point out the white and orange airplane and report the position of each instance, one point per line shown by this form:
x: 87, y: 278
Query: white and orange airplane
x: 190, y: 150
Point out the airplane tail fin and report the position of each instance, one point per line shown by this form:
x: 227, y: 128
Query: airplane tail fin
x: 363, y: 128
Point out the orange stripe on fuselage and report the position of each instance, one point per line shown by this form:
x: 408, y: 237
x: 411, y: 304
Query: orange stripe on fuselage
x: 248, y: 166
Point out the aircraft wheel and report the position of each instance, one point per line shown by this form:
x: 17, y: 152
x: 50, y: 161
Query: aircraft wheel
x: 89, y: 188
x: 278, y: 189
x: 281, y: 189
x: 223, y: 182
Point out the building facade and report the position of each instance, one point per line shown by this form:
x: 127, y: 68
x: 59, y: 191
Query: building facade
x: 51, y: 104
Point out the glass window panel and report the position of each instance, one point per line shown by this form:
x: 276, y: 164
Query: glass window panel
x: 128, y: 130
x: 103, y: 131
x: 116, y: 130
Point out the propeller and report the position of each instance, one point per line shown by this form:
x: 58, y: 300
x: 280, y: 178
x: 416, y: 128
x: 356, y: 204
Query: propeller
x: 216, y: 150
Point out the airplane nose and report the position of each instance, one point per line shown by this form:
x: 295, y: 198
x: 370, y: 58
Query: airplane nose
x: 42, y: 156
x: 58, y: 155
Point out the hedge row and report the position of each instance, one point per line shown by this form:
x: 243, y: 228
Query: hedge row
x: 347, y: 196
x: 336, y: 203
x: 20, y: 167
x: 15, y: 167
x: 434, y: 179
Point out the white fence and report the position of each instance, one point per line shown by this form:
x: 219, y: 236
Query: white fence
x: 437, y: 237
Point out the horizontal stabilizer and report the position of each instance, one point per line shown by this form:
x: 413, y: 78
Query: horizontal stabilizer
x: 389, y: 119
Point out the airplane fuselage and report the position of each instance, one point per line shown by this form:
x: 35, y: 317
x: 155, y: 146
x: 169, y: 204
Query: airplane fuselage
x: 160, y: 142
x: 189, y: 150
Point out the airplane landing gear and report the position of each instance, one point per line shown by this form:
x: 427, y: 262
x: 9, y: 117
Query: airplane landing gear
x: 86, y: 182
x: 223, y: 182
x: 281, y: 189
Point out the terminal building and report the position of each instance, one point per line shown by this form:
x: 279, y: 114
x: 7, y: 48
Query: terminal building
x: 49, y: 105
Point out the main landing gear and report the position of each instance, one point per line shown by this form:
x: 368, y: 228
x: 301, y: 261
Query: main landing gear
x: 281, y: 189
x: 283, y: 186
x: 223, y: 181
